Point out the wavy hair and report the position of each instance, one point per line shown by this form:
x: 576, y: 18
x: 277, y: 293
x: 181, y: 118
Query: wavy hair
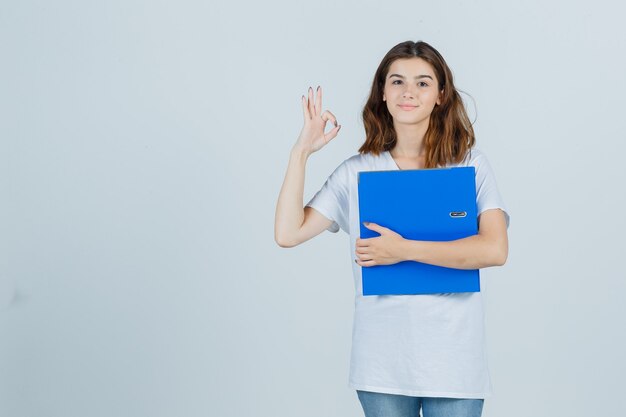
x: 449, y: 135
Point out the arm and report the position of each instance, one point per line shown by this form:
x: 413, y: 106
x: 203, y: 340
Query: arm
x: 293, y: 224
x: 488, y: 248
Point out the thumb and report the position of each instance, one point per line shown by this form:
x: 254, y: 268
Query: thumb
x: 375, y: 227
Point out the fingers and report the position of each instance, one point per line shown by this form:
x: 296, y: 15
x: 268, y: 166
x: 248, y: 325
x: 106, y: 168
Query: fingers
x: 362, y: 243
x: 327, y: 115
x: 305, y: 109
x: 331, y: 134
x: 318, y: 105
x: 312, y: 107
x: 308, y: 109
x: 363, y: 255
x: 368, y: 262
x: 311, y: 103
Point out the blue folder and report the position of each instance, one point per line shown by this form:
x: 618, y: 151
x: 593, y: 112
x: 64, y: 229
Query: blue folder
x: 437, y: 204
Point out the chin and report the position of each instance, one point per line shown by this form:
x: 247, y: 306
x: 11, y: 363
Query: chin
x: 409, y: 121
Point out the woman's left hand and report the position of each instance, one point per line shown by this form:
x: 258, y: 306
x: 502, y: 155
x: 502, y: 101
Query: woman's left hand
x: 385, y: 249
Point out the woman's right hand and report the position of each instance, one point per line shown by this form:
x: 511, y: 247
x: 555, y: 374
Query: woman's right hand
x: 312, y: 137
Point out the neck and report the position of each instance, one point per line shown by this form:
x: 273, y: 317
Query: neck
x: 410, y: 140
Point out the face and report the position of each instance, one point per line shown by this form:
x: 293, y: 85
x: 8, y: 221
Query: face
x: 411, y: 82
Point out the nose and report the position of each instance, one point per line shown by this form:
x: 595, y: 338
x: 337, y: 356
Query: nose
x: 409, y: 91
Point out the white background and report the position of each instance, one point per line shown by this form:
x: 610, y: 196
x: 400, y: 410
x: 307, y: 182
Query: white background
x: 144, y: 145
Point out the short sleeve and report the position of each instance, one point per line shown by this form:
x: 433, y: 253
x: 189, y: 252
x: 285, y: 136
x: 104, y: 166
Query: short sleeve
x: 332, y: 200
x: 487, y: 194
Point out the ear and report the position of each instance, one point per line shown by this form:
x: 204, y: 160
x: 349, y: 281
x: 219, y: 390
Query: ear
x: 384, y: 97
x: 439, y: 98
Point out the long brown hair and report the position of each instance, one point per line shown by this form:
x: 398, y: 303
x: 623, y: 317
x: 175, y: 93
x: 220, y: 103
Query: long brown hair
x: 449, y: 135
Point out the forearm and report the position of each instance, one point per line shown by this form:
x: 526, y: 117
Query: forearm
x: 289, y: 210
x: 473, y: 252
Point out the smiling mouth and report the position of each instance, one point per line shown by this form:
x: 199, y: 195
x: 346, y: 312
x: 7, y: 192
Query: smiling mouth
x: 407, y: 107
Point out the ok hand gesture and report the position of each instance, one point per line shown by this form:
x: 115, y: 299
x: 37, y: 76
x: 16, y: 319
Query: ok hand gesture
x: 312, y: 137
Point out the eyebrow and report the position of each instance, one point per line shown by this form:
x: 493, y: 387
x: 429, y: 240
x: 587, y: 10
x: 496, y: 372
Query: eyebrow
x: 416, y: 77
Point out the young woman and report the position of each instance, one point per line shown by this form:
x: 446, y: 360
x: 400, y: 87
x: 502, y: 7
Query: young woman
x: 409, y: 352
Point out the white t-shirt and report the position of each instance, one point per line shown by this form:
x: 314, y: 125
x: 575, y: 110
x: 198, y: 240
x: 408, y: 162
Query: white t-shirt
x: 425, y: 345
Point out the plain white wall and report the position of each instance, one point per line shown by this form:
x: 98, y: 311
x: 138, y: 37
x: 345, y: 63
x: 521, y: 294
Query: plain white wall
x: 144, y: 145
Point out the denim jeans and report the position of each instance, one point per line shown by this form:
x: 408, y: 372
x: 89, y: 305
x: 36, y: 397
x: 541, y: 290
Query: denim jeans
x: 376, y: 404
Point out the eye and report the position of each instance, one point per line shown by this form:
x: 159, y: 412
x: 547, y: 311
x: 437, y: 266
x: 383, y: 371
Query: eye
x: 421, y: 83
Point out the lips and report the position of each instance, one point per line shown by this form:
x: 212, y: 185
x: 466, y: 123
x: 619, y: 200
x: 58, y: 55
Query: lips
x: 406, y: 106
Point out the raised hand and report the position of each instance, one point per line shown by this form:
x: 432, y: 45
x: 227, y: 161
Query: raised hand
x: 312, y: 137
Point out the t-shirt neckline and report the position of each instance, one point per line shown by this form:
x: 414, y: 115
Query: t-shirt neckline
x: 393, y: 162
